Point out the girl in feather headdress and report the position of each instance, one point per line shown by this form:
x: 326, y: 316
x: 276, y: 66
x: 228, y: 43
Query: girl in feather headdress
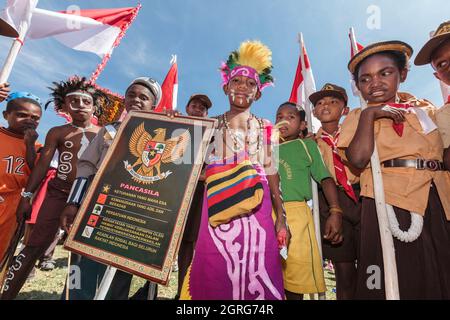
x: 237, y: 253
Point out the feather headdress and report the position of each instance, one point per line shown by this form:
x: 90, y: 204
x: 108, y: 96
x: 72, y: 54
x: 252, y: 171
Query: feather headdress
x: 108, y: 106
x: 253, y: 59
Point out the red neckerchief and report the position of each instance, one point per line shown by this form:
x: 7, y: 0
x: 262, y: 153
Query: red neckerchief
x: 448, y: 99
x: 339, y: 168
x: 398, y: 128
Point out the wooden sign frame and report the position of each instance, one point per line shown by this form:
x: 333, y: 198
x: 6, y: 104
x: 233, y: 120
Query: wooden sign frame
x: 103, y: 237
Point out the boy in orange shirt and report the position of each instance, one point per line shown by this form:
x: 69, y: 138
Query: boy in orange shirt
x: 17, y: 157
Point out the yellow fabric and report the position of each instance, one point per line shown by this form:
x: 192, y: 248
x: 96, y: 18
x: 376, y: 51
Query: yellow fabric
x: 246, y: 206
x: 406, y: 188
x: 302, y: 270
x: 229, y: 182
x: 185, y: 294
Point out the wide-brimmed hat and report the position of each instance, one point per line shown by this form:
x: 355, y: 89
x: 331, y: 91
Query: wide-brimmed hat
x: 328, y: 90
x: 395, y: 45
x: 441, y: 34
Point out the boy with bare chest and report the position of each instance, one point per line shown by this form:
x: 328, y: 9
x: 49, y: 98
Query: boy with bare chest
x: 80, y: 99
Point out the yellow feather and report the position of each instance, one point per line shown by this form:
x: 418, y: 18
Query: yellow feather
x: 255, y: 54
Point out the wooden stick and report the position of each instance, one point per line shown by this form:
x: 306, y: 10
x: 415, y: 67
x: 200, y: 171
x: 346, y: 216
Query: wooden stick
x: 387, y: 242
x: 315, y: 192
x: 69, y: 261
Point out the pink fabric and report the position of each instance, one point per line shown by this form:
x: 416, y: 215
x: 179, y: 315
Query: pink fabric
x: 40, y: 196
x: 245, y: 71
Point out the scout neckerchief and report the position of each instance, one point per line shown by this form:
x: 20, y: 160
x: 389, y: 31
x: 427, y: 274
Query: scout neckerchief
x: 398, y: 127
x: 339, y: 168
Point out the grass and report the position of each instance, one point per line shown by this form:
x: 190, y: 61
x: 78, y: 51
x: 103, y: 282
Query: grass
x: 49, y: 285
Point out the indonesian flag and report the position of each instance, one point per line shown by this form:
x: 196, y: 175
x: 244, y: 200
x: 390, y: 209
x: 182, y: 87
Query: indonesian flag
x: 169, y: 88
x: 355, y: 47
x: 93, y: 30
x: 303, y: 86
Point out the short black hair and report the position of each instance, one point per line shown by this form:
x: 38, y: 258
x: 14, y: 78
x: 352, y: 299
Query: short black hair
x: 17, y: 102
x: 398, y: 57
x: 301, y: 112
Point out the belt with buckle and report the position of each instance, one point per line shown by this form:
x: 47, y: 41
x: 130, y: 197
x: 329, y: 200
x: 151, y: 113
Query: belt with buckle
x: 419, y: 164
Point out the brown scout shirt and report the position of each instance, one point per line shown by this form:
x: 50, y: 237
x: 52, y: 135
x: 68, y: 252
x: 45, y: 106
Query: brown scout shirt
x: 406, y: 188
x: 327, y: 155
x: 443, y: 123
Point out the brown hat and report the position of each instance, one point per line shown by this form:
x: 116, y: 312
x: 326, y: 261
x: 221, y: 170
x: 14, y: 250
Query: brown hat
x: 395, y: 45
x: 202, y: 97
x: 328, y: 90
x: 7, y: 30
x: 439, y: 36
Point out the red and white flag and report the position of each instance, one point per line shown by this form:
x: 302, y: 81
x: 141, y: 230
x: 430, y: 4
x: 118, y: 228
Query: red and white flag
x: 169, y: 88
x: 93, y: 30
x: 303, y: 86
x: 355, y: 47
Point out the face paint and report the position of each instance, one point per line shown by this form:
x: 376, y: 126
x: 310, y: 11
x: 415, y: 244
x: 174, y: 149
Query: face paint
x: 82, y: 104
x: 232, y: 95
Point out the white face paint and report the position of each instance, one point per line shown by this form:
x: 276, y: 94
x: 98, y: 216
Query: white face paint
x: 232, y: 94
x: 83, y: 96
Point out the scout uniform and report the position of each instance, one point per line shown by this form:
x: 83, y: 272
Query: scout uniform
x: 298, y: 161
x: 347, y: 182
x: 441, y: 35
x: 414, y: 181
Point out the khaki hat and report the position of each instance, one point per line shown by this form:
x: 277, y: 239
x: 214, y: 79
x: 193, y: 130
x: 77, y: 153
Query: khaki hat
x: 439, y: 36
x: 203, y: 98
x: 328, y: 90
x: 395, y: 45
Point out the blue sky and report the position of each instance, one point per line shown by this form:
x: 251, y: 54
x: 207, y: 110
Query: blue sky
x: 203, y: 32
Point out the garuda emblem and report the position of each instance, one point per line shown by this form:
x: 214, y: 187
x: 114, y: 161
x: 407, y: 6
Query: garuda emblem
x: 151, y: 152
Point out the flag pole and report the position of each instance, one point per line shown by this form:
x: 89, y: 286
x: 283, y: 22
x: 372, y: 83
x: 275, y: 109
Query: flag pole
x: 175, y: 87
x: 14, y: 51
x: 387, y: 242
x: 105, y: 284
x: 315, y: 192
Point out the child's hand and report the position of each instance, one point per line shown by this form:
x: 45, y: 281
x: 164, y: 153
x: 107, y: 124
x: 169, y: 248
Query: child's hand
x: 397, y: 114
x: 67, y: 217
x: 333, y: 229
x: 171, y: 113
x: 30, y: 136
x: 23, y: 211
x: 4, y: 91
x: 283, y: 233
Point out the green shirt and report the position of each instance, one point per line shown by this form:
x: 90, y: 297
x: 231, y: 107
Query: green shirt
x: 297, y: 165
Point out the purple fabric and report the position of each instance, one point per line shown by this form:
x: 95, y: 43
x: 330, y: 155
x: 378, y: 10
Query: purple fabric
x: 238, y: 260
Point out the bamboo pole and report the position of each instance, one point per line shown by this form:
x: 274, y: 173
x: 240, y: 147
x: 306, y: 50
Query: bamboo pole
x: 387, y: 242
x: 315, y: 192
